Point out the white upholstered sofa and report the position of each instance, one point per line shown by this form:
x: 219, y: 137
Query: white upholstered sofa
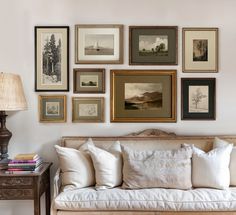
x: 154, y: 201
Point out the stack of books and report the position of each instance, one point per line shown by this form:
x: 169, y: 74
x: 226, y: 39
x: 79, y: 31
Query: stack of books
x: 25, y: 163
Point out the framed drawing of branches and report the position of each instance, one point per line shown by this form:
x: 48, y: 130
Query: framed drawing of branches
x: 198, y: 98
x: 51, y: 58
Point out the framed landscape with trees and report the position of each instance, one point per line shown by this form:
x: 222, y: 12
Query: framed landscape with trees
x: 51, y: 58
x: 198, y: 98
x: 153, y: 45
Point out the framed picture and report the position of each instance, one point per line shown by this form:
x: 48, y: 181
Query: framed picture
x: 143, y: 96
x: 89, y: 80
x: 198, y: 98
x: 99, y: 44
x: 200, y: 49
x: 51, y: 58
x: 153, y: 45
x: 52, y: 108
x: 87, y: 109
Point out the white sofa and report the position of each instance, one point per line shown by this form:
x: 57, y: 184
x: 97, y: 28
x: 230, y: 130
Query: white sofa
x: 154, y: 201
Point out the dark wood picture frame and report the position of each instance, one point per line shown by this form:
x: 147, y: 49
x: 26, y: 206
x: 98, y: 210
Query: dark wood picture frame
x: 208, y: 109
x: 165, y: 112
x: 196, y: 66
x: 78, y: 59
x: 64, y: 64
x: 100, y: 82
x: 172, y: 43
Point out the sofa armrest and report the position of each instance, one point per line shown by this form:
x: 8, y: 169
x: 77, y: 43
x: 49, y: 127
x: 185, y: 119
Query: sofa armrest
x: 56, y: 183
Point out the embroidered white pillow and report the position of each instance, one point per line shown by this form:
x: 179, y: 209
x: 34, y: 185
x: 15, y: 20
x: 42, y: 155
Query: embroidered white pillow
x: 157, y: 168
x: 211, y: 169
x: 108, y: 165
x: 232, y: 166
x: 76, y: 166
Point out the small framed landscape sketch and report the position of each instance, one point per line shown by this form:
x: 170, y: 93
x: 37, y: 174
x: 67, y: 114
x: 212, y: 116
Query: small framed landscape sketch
x: 153, y: 45
x: 198, y: 98
x: 51, y: 58
x: 87, y: 109
x: 52, y: 108
x: 200, y: 50
x: 143, y: 96
x: 89, y: 80
x: 99, y: 44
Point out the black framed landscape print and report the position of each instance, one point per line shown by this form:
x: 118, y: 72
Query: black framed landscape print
x: 200, y: 50
x: 153, y: 45
x: 51, y: 58
x: 198, y: 98
x: 143, y: 96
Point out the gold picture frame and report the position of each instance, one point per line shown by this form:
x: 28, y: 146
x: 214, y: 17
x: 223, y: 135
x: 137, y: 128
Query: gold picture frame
x: 200, y: 50
x: 99, y: 44
x: 52, y: 108
x: 143, y: 96
x: 87, y: 109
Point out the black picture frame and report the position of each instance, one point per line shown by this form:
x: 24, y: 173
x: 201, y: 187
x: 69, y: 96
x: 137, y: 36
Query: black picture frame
x: 167, y: 34
x: 64, y: 59
x: 202, y: 89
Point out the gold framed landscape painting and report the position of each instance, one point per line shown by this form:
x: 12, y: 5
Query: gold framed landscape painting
x: 99, y: 44
x: 87, y: 109
x: 143, y: 96
x: 51, y: 58
x: 52, y: 108
x: 200, y: 50
x: 88, y: 80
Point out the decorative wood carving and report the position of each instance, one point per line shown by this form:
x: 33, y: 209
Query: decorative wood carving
x: 10, y: 182
x: 8, y: 194
x: 151, y: 133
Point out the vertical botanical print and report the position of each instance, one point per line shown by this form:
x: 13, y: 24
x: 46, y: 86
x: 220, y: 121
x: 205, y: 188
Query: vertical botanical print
x: 143, y: 96
x: 99, y: 44
x: 198, y: 99
x: 51, y: 55
x: 200, y: 50
x: 153, y: 45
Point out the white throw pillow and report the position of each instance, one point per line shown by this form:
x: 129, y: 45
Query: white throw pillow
x: 211, y: 169
x: 157, y: 168
x: 76, y: 166
x: 232, y: 166
x: 108, y: 165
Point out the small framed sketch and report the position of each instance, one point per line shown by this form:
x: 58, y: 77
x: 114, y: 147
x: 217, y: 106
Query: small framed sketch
x: 143, y: 96
x: 89, y: 80
x: 52, y: 108
x: 99, y: 44
x: 153, y: 45
x: 87, y: 109
x: 51, y: 58
x: 200, y: 50
x: 198, y: 98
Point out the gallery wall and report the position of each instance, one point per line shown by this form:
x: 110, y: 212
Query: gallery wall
x: 17, y: 21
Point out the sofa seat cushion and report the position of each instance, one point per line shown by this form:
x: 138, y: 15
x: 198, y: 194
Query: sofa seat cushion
x: 157, y: 199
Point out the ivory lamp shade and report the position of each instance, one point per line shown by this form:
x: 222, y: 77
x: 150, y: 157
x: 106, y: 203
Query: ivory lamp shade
x: 12, y: 97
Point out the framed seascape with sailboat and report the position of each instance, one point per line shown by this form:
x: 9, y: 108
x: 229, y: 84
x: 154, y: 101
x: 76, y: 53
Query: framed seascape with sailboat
x: 99, y: 44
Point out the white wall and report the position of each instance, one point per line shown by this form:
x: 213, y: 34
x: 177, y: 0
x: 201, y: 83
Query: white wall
x: 17, y: 21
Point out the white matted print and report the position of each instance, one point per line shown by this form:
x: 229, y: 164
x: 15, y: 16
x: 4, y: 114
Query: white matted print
x: 198, y: 99
x: 99, y: 44
x: 51, y: 55
x: 200, y: 50
x: 88, y: 109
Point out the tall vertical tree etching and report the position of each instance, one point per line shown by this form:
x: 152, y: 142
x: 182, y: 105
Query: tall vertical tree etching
x: 52, y: 59
x: 197, y: 97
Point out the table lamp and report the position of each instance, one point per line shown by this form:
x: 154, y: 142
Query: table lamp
x: 12, y: 98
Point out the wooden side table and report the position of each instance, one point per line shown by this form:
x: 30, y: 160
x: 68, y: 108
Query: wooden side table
x: 28, y: 186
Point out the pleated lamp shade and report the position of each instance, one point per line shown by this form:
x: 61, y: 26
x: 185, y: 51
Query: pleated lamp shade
x: 12, y: 97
